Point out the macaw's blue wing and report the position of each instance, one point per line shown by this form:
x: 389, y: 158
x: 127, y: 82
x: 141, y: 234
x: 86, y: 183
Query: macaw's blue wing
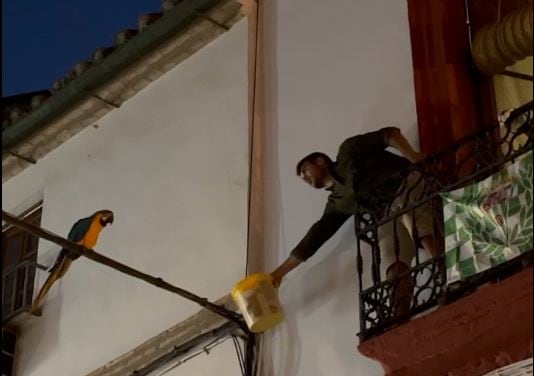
x: 76, y: 233
x: 80, y: 228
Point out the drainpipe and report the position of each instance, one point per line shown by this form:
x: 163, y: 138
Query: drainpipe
x: 502, y: 44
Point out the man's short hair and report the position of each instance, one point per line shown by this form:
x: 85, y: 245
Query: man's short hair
x: 312, y: 158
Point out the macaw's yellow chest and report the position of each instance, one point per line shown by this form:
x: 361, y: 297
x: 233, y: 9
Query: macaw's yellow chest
x: 91, y: 237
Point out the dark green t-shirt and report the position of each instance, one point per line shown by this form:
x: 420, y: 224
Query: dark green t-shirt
x: 362, y: 161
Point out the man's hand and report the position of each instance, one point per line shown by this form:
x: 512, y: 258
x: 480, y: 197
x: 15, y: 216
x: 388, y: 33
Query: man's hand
x: 277, y: 279
x: 503, y: 116
x: 416, y: 157
x: 397, y: 140
x: 289, y: 264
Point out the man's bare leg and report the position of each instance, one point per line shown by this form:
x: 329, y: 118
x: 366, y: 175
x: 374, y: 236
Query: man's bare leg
x: 428, y: 244
x: 402, y: 290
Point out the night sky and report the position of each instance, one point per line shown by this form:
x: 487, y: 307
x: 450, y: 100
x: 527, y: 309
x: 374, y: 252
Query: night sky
x: 43, y: 39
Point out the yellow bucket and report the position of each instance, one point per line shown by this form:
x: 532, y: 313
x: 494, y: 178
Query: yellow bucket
x: 257, y: 299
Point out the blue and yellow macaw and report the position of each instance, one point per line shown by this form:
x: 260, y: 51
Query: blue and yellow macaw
x: 84, y: 232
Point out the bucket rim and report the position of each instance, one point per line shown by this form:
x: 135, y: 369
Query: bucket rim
x: 247, y: 282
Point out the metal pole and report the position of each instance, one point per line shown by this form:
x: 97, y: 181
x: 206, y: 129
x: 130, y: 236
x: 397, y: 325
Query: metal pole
x: 250, y: 354
x: 101, y: 259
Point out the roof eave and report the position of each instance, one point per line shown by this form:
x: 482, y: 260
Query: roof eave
x: 78, y: 89
x: 83, y: 102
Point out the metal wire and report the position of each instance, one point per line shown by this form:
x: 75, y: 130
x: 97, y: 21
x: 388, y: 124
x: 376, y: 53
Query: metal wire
x: 252, y: 136
x: 204, y: 350
x: 239, y: 354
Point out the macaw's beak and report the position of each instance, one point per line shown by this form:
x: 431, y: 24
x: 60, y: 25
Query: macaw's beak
x: 107, y: 220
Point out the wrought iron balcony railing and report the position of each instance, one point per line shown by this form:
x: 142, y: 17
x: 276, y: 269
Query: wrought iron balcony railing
x: 394, y: 297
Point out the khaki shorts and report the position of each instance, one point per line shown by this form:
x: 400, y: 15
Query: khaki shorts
x: 421, y: 216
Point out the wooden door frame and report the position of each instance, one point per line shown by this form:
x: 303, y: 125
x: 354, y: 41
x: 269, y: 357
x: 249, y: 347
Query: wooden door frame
x: 452, y: 98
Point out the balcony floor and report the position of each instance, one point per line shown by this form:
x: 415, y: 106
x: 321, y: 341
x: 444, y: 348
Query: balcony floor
x: 488, y: 329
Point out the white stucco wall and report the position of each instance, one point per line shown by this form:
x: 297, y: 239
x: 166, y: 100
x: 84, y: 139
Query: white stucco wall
x: 334, y: 70
x: 172, y: 164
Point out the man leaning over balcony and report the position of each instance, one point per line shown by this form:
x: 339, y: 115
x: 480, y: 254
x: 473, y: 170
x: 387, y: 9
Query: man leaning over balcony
x: 361, y: 162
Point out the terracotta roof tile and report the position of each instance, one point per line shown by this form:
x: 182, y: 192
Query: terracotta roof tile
x: 14, y: 107
x: 146, y: 19
x: 122, y: 37
x: 15, y: 112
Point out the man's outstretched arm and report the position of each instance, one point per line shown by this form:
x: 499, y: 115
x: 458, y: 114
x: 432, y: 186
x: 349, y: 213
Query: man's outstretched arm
x: 379, y: 140
x: 288, y: 265
x: 317, y: 235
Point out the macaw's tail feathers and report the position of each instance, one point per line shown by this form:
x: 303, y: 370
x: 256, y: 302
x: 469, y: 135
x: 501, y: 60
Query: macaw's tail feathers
x: 36, y: 305
x: 56, y: 272
x: 59, y: 258
x: 54, y: 267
